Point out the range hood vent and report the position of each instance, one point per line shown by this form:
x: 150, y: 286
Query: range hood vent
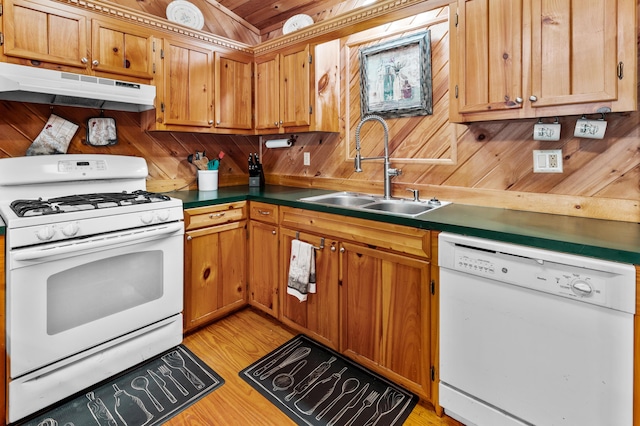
x: 43, y: 86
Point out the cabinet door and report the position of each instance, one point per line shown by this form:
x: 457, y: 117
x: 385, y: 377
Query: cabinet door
x: 385, y: 306
x: 47, y: 34
x: 574, y: 52
x: 215, y: 277
x: 121, y: 49
x: 263, y: 267
x: 187, y: 76
x: 489, y: 55
x: 295, y: 86
x: 267, y: 94
x: 318, y: 316
x: 233, y: 91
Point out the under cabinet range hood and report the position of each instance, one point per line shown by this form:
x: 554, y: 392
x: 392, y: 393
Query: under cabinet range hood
x: 43, y: 86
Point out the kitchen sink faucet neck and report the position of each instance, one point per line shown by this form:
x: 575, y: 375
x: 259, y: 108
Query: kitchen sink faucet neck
x: 389, y: 172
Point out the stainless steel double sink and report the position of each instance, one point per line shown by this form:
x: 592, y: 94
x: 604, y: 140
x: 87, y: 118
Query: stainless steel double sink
x: 372, y: 203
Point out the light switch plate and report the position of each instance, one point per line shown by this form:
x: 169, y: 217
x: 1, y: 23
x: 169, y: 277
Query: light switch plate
x: 591, y: 129
x: 547, y: 161
x: 307, y: 158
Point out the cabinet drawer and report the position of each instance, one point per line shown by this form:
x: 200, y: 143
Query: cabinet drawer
x: 264, y: 212
x: 388, y: 236
x: 200, y: 217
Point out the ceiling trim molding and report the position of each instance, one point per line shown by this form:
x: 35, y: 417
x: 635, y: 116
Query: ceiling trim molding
x: 359, y: 19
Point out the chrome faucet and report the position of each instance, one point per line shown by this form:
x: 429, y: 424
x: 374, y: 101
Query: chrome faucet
x: 388, y: 171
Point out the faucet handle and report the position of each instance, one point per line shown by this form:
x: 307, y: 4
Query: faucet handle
x: 416, y: 194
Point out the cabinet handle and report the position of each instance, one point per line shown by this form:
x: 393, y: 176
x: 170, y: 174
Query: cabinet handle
x: 84, y: 60
x: 211, y: 216
x: 519, y: 100
x: 273, y: 232
x: 95, y: 63
x: 189, y: 238
x: 533, y: 98
x: 264, y: 212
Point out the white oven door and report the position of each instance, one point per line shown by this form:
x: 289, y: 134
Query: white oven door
x: 65, y: 298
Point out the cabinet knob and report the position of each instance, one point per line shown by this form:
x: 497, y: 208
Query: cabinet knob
x: 333, y: 248
x: 218, y: 123
x: 95, y: 63
x: 342, y: 250
x: 273, y: 232
x: 84, y: 60
x: 189, y: 238
x: 211, y: 122
x: 533, y: 98
x: 519, y: 100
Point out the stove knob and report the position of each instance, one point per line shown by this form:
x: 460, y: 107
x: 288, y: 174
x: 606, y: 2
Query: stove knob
x: 70, y: 229
x: 45, y: 233
x: 163, y: 215
x: 147, y: 218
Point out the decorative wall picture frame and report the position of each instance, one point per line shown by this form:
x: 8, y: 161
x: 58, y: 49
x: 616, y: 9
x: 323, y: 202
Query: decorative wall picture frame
x: 395, y: 77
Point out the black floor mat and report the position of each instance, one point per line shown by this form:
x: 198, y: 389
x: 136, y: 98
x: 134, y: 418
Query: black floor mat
x: 148, y: 394
x: 315, y: 385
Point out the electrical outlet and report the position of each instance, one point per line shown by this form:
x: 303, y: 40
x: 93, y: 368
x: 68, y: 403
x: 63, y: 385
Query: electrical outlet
x: 307, y: 158
x: 547, y: 161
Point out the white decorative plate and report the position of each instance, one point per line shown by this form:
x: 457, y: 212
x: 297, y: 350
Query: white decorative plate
x: 296, y: 22
x: 185, y: 13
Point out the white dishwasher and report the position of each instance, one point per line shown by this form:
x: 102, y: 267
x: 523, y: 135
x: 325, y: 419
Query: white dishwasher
x: 534, y: 337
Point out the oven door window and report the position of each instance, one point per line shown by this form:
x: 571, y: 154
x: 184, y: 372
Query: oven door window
x: 105, y: 287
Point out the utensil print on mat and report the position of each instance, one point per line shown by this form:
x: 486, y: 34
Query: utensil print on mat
x: 284, y: 351
x: 175, y: 360
x: 141, y: 383
x: 352, y: 403
x: 297, y: 355
x: 131, y: 409
x: 99, y: 411
x: 389, y: 400
x: 323, y: 387
x: 348, y: 386
x: 163, y: 386
x: 368, y: 402
x: 310, y: 379
x: 164, y: 370
x: 283, y: 381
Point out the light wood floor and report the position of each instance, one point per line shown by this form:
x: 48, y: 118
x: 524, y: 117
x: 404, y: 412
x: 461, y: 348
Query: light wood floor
x: 229, y: 346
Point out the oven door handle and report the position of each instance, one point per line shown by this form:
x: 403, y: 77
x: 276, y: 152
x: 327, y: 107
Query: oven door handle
x: 102, y: 242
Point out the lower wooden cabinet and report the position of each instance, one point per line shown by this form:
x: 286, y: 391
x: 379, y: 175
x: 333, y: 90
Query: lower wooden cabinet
x: 318, y: 316
x: 385, y: 314
x: 215, y: 263
x: 263, y: 257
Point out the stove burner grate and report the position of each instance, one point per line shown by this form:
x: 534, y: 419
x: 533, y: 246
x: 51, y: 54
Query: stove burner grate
x: 39, y: 207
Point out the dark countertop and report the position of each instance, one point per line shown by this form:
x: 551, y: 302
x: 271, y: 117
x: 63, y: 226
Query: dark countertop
x: 604, y: 239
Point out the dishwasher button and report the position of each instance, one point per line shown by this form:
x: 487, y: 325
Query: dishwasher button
x: 581, y: 288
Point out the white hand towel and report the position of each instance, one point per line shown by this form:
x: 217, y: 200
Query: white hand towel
x: 302, y: 270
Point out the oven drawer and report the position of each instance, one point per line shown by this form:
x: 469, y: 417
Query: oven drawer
x: 201, y: 217
x: 264, y: 212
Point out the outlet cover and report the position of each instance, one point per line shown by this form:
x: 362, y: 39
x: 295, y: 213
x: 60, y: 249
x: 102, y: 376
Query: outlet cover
x: 547, y: 161
x: 307, y: 158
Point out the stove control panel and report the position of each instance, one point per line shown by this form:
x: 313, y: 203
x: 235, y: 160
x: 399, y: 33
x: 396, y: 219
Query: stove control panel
x: 70, y: 166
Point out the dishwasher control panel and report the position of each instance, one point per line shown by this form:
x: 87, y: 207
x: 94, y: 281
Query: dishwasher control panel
x: 590, y: 280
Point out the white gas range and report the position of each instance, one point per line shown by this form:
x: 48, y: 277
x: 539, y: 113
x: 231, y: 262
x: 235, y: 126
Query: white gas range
x: 94, y: 273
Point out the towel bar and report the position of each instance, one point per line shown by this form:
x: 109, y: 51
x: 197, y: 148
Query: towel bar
x: 316, y: 248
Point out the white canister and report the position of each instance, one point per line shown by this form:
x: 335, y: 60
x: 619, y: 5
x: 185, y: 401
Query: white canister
x: 207, y: 180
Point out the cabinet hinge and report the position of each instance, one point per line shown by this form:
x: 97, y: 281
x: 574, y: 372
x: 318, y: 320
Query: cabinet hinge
x: 1, y: 39
x: 310, y: 59
x: 162, y: 106
x: 620, y: 70
x: 433, y: 373
x: 1, y: 10
x: 433, y: 287
x: 456, y: 91
x: 161, y: 53
x: 153, y: 46
x: 154, y: 67
x: 457, y: 19
x: 310, y: 110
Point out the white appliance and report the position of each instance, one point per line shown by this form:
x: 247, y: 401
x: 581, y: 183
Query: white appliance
x: 534, y: 337
x: 94, y: 273
x: 44, y: 86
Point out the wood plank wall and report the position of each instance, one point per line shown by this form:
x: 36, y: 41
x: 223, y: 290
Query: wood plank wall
x: 487, y: 164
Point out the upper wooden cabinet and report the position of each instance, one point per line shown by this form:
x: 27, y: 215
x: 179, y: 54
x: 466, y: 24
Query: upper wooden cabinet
x: 535, y: 58
x: 298, y: 89
x: 58, y: 36
x: 184, y: 98
x: 233, y: 108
